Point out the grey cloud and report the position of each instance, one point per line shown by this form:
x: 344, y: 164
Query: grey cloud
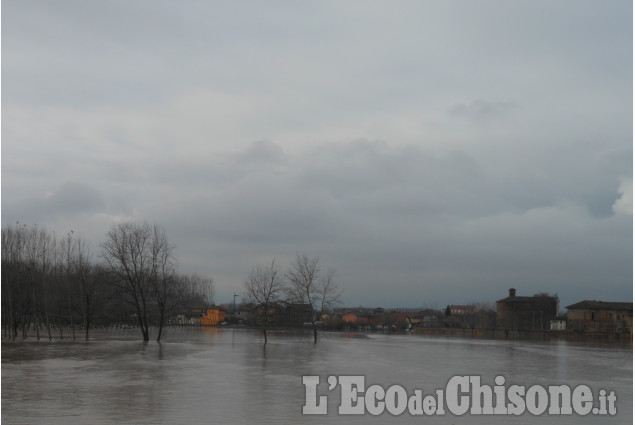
x: 481, y: 111
x: 218, y: 171
x: 262, y: 151
x: 428, y: 151
x: 71, y: 199
x: 415, y: 218
x: 624, y: 204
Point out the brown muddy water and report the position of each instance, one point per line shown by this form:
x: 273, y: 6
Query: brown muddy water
x: 227, y: 376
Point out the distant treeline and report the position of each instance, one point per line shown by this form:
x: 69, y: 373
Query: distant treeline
x: 51, y: 283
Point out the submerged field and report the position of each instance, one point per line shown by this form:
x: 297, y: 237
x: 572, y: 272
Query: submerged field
x: 217, y: 375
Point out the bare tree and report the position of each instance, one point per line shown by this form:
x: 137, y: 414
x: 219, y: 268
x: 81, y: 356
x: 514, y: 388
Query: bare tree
x: 41, y: 249
x: 308, y: 286
x: 192, y: 291
x: 84, y: 272
x: 162, y: 275
x: 50, y: 281
x: 328, y: 293
x: 483, y: 316
x: 139, y: 259
x: 264, y: 288
x: 68, y: 248
x: 13, y: 273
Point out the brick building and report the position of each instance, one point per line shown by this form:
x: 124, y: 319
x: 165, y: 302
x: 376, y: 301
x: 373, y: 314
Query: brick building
x: 526, y: 313
x: 600, y: 316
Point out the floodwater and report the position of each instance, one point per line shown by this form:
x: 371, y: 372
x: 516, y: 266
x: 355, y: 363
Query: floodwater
x: 200, y: 376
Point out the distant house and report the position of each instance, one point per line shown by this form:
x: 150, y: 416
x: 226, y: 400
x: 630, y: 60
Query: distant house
x: 241, y: 315
x: 364, y: 319
x: 414, y: 320
x: 461, y: 310
x: 295, y: 314
x: 360, y: 315
x: 526, y: 313
x: 431, y: 318
x: 396, y: 318
x: 600, y: 316
x: 213, y: 316
x: 190, y: 316
x: 282, y: 313
x: 353, y: 318
x: 558, y: 324
x: 367, y: 319
x: 359, y: 311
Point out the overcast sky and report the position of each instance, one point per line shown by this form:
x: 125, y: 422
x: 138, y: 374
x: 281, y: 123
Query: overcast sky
x: 431, y: 152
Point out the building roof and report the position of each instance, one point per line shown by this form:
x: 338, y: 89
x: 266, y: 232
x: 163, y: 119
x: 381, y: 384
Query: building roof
x: 526, y: 299
x: 215, y: 307
x: 297, y: 306
x: 600, y: 305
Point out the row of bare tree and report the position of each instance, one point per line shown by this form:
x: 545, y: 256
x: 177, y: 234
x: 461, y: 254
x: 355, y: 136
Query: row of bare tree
x: 304, y: 282
x: 53, y: 282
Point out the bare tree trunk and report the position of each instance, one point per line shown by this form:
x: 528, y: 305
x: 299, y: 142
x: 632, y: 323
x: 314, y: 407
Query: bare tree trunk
x: 11, y: 313
x: 23, y: 324
x: 87, y: 316
x: 70, y: 311
x: 142, y: 325
x: 59, y: 320
x: 48, y: 321
x: 68, y: 245
x: 36, y: 323
x: 146, y: 336
x: 161, y: 318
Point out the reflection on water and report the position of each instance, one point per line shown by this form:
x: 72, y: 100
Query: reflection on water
x: 216, y: 375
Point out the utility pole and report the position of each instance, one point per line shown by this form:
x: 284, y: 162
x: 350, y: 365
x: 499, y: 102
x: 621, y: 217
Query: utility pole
x: 235, y: 295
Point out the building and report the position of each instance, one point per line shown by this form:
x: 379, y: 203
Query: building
x: 360, y: 315
x: 600, y: 316
x: 190, y: 316
x: 431, y: 318
x: 213, y: 316
x: 526, y: 313
x: 282, y: 313
x: 462, y: 310
x: 295, y: 314
x: 272, y: 313
x: 349, y: 317
x: 558, y: 324
x: 239, y: 316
